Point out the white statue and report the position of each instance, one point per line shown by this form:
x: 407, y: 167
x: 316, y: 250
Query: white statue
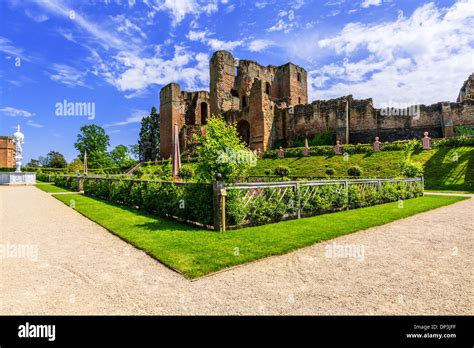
x: 18, y: 140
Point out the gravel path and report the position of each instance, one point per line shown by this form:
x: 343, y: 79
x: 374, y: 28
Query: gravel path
x: 418, y: 265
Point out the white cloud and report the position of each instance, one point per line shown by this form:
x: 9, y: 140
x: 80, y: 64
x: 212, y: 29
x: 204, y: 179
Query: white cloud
x: 14, y: 112
x: 136, y: 73
x: 214, y: 44
x: 259, y: 45
x: 180, y: 9
x: 7, y: 47
x: 126, y: 26
x: 31, y: 123
x: 423, y: 58
x: 282, y: 25
x: 104, y: 37
x: 368, y: 3
x: 261, y: 4
x: 37, y: 17
x: 68, y: 75
x: 135, y: 117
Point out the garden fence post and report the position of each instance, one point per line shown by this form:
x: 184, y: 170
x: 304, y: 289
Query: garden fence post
x: 346, y: 187
x: 80, y: 183
x: 49, y: 177
x: 217, y: 186
x: 298, y: 199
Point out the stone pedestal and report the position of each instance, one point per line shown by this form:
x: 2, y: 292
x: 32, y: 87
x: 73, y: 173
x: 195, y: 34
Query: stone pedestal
x: 13, y: 178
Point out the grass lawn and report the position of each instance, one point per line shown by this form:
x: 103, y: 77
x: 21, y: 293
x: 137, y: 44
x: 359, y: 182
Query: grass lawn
x: 447, y: 169
x: 195, y: 252
x: 51, y: 188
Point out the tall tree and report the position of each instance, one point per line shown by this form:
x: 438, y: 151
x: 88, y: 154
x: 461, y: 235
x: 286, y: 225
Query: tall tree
x: 221, y: 150
x: 34, y: 163
x: 55, y: 160
x: 95, y: 141
x: 121, y: 156
x: 149, y: 138
x: 76, y: 165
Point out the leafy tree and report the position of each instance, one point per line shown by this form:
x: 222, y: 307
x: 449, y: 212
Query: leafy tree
x: 149, y: 138
x: 43, y: 161
x: 95, y: 141
x: 76, y: 165
x: 34, y: 163
x: 222, y: 151
x: 55, y: 160
x: 120, y: 156
x: 134, y: 151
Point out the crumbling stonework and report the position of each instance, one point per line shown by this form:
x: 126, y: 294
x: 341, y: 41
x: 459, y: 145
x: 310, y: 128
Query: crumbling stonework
x: 467, y: 90
x: 270, y: 104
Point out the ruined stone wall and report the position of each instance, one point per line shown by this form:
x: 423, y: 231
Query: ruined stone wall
x: 171, y: 112
x: 196, y: 106
x: 270, y: 104
x: 222, y: 78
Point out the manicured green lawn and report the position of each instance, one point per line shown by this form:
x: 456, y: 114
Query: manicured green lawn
x: 50, y: 188
x: 195, y: 252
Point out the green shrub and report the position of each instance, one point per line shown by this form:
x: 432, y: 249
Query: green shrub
x: 330, y: 171
x: 190, y: 201
x: 186, y: 172
x: 354, y: 171
x: 282, y: 171
x: 410, y: 169
x: 267, y: 172
x: 267, y: 205
x: 67, y: 182
x: 461, y: 130
x: 327, y: 138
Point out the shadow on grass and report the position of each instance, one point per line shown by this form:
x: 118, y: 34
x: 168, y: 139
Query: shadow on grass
x: 442, y: 172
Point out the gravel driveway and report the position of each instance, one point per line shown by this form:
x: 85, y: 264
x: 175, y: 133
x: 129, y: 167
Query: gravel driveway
x: 418, y: 265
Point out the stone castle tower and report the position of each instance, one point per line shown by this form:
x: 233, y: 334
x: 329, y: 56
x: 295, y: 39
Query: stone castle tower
x: 270, y: 106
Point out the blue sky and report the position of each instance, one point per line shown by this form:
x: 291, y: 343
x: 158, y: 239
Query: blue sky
x: 117, y: 54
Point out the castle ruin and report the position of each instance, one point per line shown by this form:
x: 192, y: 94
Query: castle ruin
x: 270, y: 105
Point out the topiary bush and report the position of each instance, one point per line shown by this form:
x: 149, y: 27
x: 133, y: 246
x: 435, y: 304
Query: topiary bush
x: 282, y: 171
x: 330, y: 171
x: 354, y: 171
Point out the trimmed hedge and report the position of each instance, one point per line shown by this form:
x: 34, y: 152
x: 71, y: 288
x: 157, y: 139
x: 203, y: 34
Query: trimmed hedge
x: 328, y: 150
x: 189, y: 201
x: 266, y: 206
x: 67, y: 182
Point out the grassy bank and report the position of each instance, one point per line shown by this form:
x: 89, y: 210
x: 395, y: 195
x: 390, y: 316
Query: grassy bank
x: 196, y: 252
x: 444, y: 168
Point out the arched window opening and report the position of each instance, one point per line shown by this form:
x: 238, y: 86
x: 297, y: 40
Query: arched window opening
x: 234, y: 93
x: 298, y: 76
x: 268, y: 88
x: 243, y: 129
x: 203, y: 113
x: 245, y: 101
